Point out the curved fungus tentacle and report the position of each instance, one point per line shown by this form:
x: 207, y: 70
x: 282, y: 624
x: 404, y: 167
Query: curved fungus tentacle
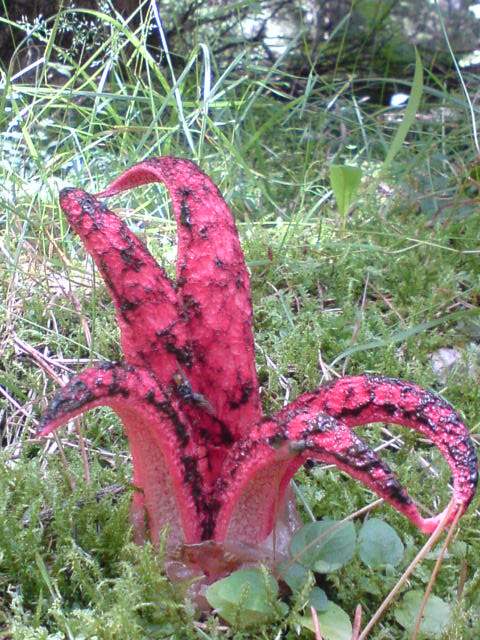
x: 207, y: 464
x: 319, y: 426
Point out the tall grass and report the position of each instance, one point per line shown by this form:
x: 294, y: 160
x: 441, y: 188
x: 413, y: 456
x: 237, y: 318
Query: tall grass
x: 381, y: 291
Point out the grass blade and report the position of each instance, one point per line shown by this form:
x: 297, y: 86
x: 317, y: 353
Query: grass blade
x: 409, y: 116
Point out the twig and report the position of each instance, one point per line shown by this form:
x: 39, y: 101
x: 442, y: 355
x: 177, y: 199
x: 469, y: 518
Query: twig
x: 408, y: 571
x: 357, y: 622
x: 286, y: 386
x: 327, y: 372
x: 81, y: 440
x: 435, y: 571
x: 44, y: 364
x: 16, y: 404
x: 203, y: 626
x: 388, y: 302
x: 316, y: 625
x: 39, y: 358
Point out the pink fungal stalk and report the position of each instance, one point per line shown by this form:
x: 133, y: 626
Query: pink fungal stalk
x: 207, y: 463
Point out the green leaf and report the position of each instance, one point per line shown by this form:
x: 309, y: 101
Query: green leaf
x: 317, y: 598
x: 334, y: 623
x: 331, y: 545
x: 344, y: 181
x: 436, y: 615
x: 409, y: 115
x: 246, y: 597
x: 379, y: 544
x: 296, y: 576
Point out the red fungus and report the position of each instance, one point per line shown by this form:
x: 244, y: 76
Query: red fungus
x: 206, y: 461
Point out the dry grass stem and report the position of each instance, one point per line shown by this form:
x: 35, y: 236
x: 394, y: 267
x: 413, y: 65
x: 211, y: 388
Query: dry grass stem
x: 435, y: 571
x: 316, y: 625
x: 408, y: 571
x: 357, y: 622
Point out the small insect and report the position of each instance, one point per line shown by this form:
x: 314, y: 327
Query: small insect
x: 283, y: 445
x: 184, y: 389
x: 298, y: 446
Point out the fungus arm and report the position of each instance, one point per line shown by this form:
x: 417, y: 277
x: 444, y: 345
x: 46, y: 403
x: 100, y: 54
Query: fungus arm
x: 164, y: 459
x: 319, y: 426
x: 213, y: 289
x: 144, y: 298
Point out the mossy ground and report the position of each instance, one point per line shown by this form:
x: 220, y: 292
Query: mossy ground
x: 380, y: 291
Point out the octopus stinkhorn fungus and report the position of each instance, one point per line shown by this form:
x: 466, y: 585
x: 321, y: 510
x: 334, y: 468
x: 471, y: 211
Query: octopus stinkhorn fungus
x: 208, y: 464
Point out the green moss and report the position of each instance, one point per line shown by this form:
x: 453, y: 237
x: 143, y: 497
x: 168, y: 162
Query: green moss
x: 380, y: 293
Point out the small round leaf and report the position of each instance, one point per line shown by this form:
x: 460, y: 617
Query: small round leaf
x: 334, y: 546
x: 334, y: 623
x: 435, y: 618
x: 317, y: 598
x: 296, y: 576
x: 379, y: 544
x: 245, y: 597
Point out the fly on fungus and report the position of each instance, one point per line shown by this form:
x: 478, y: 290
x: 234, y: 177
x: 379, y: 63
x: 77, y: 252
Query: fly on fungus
x: 208, y: 464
